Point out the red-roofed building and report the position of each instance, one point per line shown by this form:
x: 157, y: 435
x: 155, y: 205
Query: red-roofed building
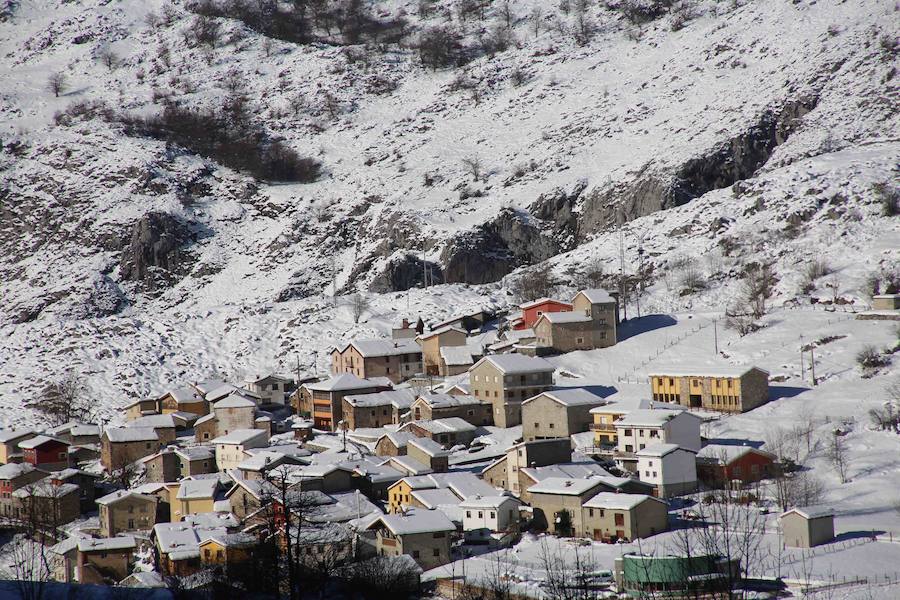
x: 532, y: 311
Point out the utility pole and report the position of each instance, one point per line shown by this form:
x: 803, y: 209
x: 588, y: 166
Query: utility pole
x: 812, y: 364
x: 802, y: 365
x: 424, y: 267
x: 640, y: 280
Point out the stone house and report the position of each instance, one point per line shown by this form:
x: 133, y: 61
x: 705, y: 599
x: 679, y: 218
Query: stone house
x: 104, y: 561
x: 196, y: 496
x: 178, y: 547
x: 669, y: 468
x: 455, y: 360
x: 396, y: 360
x: 609, y: 517
x: 433, y: 341
x: 9, y: 444
x: 234, y: 412
x: 717, y: 465
x: 183, y: 399
x: 447, y: 432
x: 406, y: 492
x: 47, y: 502
x: 506, y: 472
x: 725, y: 389
x: 425, y: 535
x: 45, y: 452
x: 206, y: 428
x: 558, y: 413
x: 81, y: 435
x: 435, y: 405
x: 590, y: 324
x: 807, y: 527
x: 165, y: 426
x: 429, y: 453
x: 393, y: 443
x: 230, y: 448
x: 321, y: 400
x: 86, y: 482
x: 580, y: 468
x: 142, y: 408
x: 376, y: 409
x: 227, y: 550
x: 173, y: 464
x: 557, y: 503
x: 271, y: 388
x: 121, y: 446
x: 507, y: 380
x: 126, y: 510
x: 12, y: 477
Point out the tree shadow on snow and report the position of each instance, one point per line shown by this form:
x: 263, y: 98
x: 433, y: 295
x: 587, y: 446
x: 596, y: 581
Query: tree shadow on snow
x: 856, y: 535
x: 633, y: 327
x: 735, y: 442
x: 776, y: 392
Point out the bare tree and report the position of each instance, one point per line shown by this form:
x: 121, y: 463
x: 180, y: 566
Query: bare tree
x: 536, y: 18
x: 472, y: 166
x: 837, y: 454
x: 267, y: 45
x: 64, y: 400
x: 109, y: 58
x: 57, y: 83
x: 798, y: 488
x: 538, y: 282
x: 567, y: 575
x: 383, y: 577
x: 505, y: 14
x: 359, y: 304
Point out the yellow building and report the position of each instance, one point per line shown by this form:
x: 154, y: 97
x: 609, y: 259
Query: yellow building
x: 605, y: 417
x: 728, y: 389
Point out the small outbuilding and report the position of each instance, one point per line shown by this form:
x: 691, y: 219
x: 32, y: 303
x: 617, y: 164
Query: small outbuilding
x: 807, y: 527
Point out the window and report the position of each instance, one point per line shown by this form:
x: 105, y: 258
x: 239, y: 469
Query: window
x: 646, y: 473
x: 579, y: 340
x: 627, y: 432
x: 436, y: 552
x: 654, y: 473
x: 536, y: 426
x: 629, y: 448
x: 590, y: 512
x: 468, y: 514
x: 641, y: 432
x: 480, y: 515
x: 493, y: 515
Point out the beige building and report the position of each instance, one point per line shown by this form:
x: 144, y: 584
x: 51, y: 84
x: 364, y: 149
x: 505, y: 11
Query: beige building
x: 435, y: 405
x: 589, y: 325
x: 447, y: 432
x: 121, y: 446
x: 393, y: 443
x: 432, y: 343
x: 126, y: 510
x: 271, y: 388
x: 322, y: 400
x: 234, y: 412
x: 506, y: 472
x: 183, y: 399
x: 507, y: 380
x: 558, y: 413
x: 610, y: 517
x: 429, y: 453
x: 425, y: 535
x: 455, y: 360
x: 377, y: 409
x: 9, y: 444
x: 807, y: 527
x: 725, y: 389
x: 886, y: 302
x: 230, y: 449
x: 48, y: 501
x: 395, y: 359
x: 558, y: 502
x: 195, y: 496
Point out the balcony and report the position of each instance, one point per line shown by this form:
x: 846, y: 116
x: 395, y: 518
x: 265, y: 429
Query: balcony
x: 607, y: 427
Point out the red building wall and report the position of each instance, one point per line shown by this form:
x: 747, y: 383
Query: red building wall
x: 530, y: 315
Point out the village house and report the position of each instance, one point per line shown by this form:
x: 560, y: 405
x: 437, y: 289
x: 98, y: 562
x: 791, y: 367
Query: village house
x: 126, y: 510
x: 611, y: 517
x: 178, y: 547
x: 376, y: 410
x: 447, y: 432
x: 718, y: 465
x: 12, y: 477
x: 323, y: 543
x: 45, y: 452
x: 433, y: 341
x: 581, y: 467
x: 642, y: 428
x: 669, y: 468
x: 234, y: 412
x: 484, y: 516
x: 534, y: 310
x: 393, y: 443
x: 48, y: 503
x: 196, y: 496
x: 507, y: 380
x: 557, y: 503
x: 429, y: 453
x: 230, y: 449
x: 511, y: 340
x: 86, y: 482
x: 455, y: 360
x: 408, y: 491
x: 121, y: 446
x: 104, y: 561
x: 183, y: 399
x: 406, y: 330
x: 422, y: 534
x: 226, y: 389
x: 9, y: 444
x: 262, y: 460
x: 606, y: 415
x: 466, y: 322
x: 206, y: 428
x: 506, y: 472
x: 807, y: 527
x: 322, y: 400
x: 435, y: 405
x: 81, y: 435
x: 229, y: 549
x: 142, y: 408
x: 173, y: 463
x: 558, y: 413
x: 163, y: 425
x: 271, y: 388
x: 396, y: 360
x: 724, y: 389
x: 590, y: 324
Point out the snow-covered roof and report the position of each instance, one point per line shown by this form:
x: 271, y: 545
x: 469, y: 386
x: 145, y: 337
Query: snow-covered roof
x: 565, y: 486
x: 456, y: 355
x: 340, y: 383
x: 618, y: 501
x: 398, y: 438
x: 13, y: 470
x: 83, y: 430
x: 569, y: 397
x: 650, y: 418
x: 385, y: 347
x: 429, y: 447
x: 401, y: 399
x: 234, y: 401
x: 40, y: 440
x: 205, y: 418
x: 596, y: 296
x: 811, y: 512
x: 409, y: 465
x: 46, y: 489
x: 197, y: 488
x: 240, y: 436
x: 121, y: 495
x: 443, y: 400
x: 625, y: 406
x: 153, y: 422
x: 124, y: 542
x: 448, y: 425
x: 181, y: 540
x: 540, y: 301
x: 208, y: 385
x: 266, y: 459
x: 704, y: 371
x: 512, y: 364
x: 566, y: 317
x: 212, y: 519
x: 131, y: 434
x: 571, y: 470
x: 416, y: 521
x: 442, y: 330
x: 184, y: 394
x: 195, y: 452
x: 257, y: 378
x: 229, y: 540
x: 659, y: 450
x: 729, y: 452
x: 9, y: 435
x: 434, y: 497
x: 495, y: 502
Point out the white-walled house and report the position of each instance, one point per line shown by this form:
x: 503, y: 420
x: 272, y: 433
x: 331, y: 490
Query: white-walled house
x: 484, y: 515
x: 641, y: 428
x: 671, y: 469
x: 230, y: 448
x: 272, y: 389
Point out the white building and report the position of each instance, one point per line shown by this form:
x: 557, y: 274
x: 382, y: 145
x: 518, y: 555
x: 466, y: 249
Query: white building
x: 642, y: 428
x: 484, y: 515
x: 272, y: 389
x: 671, y: 469
x: 230, y: 448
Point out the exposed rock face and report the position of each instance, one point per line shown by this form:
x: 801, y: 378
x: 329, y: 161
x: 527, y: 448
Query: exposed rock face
x: 494, y: 249
x: 406, y: 272
x: 734, y: 160
x: 156, y: 245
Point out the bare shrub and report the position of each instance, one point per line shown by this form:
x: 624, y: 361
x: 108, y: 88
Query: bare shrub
x: 870, y: 358
x: 889, y: 197
x: 57, y: 83
x: 439, y: 46
x: 535, y: 283
x: 108, y: 58
x: 472, y: 166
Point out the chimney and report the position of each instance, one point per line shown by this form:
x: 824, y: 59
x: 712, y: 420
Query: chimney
x: 568, y: 483
x: 405, y: 323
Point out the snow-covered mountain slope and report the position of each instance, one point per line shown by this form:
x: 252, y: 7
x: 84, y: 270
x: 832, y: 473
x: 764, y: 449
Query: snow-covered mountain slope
x: 765, y: 124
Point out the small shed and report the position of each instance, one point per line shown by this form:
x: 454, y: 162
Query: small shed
x: 807, y: 527
x: 886, y: 302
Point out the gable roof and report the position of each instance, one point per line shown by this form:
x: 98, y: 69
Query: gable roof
x: 416, y: 521
x: 448, y: 425
x: 595, y: 296
x: 618, y: 501
x: 124, y: 542
x: 197, y: 488
x: 651, y: 417
x: 10, y: 435
x: 120, y: 495
x: 719, y: 370
x: 441, y: 331
x: 240, y: 436
x: 398, y: 438
x: 625, y: 406
x: 401, y: 398
x: 513, y: 364
x: 569, y: 397
x: 131, y: 434
x: 444, y: 400
x: 234, y: 401
x: 810, y: 512
x: 384, y: 347
x: 428, y: 446
x: 165, y: 421
x: 727, y: 453
x: 13, y: 470
x: 660, y: 450
x: 564, y: 317
x: 456, y: 355
x: 563, y: 486
x: 342, y: 382
x: 40, y: 440
x: 544, y: 300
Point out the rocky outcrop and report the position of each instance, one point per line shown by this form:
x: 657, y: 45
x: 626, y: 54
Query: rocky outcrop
x: 653, y: 189
x: 487, y: 253
x: 156, y: 251
x: 405, y: 272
